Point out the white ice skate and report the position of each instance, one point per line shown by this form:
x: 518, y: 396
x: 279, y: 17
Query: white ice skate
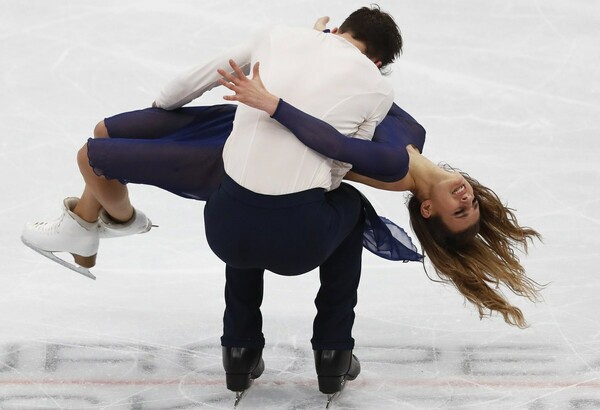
x: 109, y: 228
x: 68, y: 233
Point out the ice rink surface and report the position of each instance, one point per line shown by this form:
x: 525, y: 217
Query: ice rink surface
x: 508, y: 91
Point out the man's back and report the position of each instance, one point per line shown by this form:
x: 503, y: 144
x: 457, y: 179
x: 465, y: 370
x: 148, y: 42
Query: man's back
x: 321, y: 74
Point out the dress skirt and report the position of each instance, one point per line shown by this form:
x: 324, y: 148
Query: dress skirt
x: 179, y: 150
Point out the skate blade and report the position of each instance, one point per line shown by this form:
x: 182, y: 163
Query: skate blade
x: 239, y: 395
x: 332, y: 397
x: 53, y: 257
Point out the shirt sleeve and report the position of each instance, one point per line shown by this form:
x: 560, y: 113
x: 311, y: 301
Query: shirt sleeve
x: 194, y: 82
x: 366, y: 130
x: 384, y: 158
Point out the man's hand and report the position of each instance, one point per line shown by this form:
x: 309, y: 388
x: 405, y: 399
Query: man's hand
x: 321, y: 23
x: 250, y: 92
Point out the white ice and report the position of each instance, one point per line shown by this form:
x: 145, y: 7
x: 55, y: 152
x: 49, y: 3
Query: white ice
x: 508, y: 91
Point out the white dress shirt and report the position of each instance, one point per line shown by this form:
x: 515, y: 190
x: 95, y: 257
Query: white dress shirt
x: 319, y: 73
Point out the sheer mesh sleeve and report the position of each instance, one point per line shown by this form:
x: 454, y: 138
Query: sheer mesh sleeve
x: 384, y: 158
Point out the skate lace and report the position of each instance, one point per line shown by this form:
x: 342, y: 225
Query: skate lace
x: 51, y: 227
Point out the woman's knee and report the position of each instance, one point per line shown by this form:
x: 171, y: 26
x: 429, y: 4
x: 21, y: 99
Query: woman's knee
x: 100, y: 130
x: 82, y: 159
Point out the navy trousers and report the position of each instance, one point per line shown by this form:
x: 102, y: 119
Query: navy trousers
x: 288, y: 235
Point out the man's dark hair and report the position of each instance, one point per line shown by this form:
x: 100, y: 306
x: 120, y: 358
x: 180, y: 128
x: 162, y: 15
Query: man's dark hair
x: 377, y: 30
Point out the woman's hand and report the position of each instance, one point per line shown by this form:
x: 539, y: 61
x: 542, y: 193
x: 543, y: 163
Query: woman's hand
x: 251, y: 92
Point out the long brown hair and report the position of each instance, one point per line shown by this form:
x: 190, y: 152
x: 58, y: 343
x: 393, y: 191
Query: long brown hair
x: 479, y: 259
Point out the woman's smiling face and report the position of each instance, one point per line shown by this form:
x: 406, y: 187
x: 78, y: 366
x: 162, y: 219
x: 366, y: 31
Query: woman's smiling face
x: 452, y: 200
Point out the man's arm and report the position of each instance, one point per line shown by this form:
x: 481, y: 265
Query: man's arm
x: 383, y: 102
x: 203, y: 77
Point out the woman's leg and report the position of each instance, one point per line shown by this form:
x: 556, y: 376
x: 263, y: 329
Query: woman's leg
x: 100, y: 192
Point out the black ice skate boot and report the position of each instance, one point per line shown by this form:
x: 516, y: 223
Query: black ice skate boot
x: 242, y: 365
x: 334, y: 367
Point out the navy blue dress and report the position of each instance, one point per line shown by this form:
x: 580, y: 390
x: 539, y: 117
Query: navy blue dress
x: 181, y: 151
